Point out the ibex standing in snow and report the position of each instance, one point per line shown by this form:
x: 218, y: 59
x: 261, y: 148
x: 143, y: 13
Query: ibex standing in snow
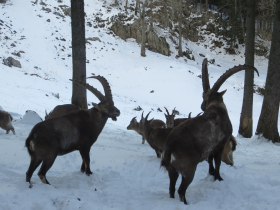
x: 6, y: 121
x: 138, y: 126
x: 230, y: 146
x: 194, y: 140
x: 75, y: 131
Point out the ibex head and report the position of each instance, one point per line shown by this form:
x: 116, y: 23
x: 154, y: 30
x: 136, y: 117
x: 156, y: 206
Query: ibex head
x: 133, y: 124
x: 211, y: 95
x: 170, y: 117
x: 106, y: 105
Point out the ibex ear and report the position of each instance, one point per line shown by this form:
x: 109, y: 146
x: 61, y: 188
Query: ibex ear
x: 94, y: 104
x: 222, y: 93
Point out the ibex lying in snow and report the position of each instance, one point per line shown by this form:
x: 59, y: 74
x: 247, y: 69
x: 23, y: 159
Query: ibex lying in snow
x: 137, y: 126
x: 75, y: 131
x: 6, y: 121
x: 230, y: 146
x: 194, y: 140
x: 62, y: 110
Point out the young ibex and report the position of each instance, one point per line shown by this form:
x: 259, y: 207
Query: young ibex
x: 156, y: 137
x: 75, y: 131
x: 194, y: 140
x: 61, y: 110
x: 170, y: 118
x: 136, y: 126
x: 230, y: 146
x: 6, y: 121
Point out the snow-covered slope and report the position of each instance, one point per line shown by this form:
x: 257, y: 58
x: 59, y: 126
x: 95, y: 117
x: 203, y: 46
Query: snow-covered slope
x: 127, y: 174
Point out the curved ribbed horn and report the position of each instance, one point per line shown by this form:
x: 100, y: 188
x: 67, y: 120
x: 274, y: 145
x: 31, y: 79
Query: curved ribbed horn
x: 146, y: 118
x: 142, y: 115
x: 205, y: 76
x: 174, y: 111
x: 230, y: 72
x: 167, y: 112
x: 98, y: 94
x: 106, y: 87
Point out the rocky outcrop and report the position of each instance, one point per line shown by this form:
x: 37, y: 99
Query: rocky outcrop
x: 154, y: 41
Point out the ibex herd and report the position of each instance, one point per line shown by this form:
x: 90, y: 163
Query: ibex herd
x: 180, y: 143
x: 187, y: 141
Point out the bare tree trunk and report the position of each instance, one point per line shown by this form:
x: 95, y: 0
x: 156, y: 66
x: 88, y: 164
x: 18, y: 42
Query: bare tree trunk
x: 126, y: 5
x: 137, y: 7
x: 246, y: 119
x: 268, y: 121
x: 206, y: 6
x: 79, y: 96
x: 143, y: 33
x: 180, y: 20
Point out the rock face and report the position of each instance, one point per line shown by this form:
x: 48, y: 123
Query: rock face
x: 3, y: 1
x: 154, y: 41
x: 10, y: 61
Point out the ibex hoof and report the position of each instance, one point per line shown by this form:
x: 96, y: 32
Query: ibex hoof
x: 183, y: 199
x: 219, y: 178
x: 88, y: 173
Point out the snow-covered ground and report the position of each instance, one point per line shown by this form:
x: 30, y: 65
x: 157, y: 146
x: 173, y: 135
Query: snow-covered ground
x: 126, y: 174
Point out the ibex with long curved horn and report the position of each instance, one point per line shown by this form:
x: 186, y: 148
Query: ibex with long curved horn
x: 230, y: 146
x: 194, y: 140
x: 75, y: 131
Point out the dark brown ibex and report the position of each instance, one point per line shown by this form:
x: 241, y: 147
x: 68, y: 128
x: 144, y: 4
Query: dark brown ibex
x: 75, y: 131
x: 230, y: 146
x: 137, y: 126
x: 156, y: 137
x: 170, y: 118
x: 6, y: 121
x: 194, y: 140
x: 62, y: 110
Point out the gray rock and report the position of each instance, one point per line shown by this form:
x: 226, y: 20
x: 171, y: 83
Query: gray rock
x: 10, y: 61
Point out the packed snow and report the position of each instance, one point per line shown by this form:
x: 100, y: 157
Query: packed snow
x: 126, y: 173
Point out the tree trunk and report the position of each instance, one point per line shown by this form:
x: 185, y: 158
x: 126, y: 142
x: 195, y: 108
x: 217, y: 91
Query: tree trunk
x: 79, y: 94
x: 268, y: 121
x: 126, y: 5
x: 143, y: 33
x: 246, y: 119
x: 137, y: 7
x: 206, y: 6
x: 180, y: 20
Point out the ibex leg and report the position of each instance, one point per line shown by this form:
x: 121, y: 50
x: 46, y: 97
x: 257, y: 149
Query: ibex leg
x: 173, y: 176
x: 211, y: 166
x: 32, y: 167
x: 85, y: 167
x: 46, y: 165
x: 187, y: 178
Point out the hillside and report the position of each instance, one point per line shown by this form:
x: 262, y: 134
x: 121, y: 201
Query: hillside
x: 127, y: 174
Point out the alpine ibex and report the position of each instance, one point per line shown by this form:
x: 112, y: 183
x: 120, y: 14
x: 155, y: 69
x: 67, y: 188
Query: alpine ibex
x: 137, y: 126
x: 230, y: 146
x: 170, y: 118
x: 156, y: 137
x: 6, y: 121
x: 75, y: 131
x: 196, y: 139
x: 61, y: 110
